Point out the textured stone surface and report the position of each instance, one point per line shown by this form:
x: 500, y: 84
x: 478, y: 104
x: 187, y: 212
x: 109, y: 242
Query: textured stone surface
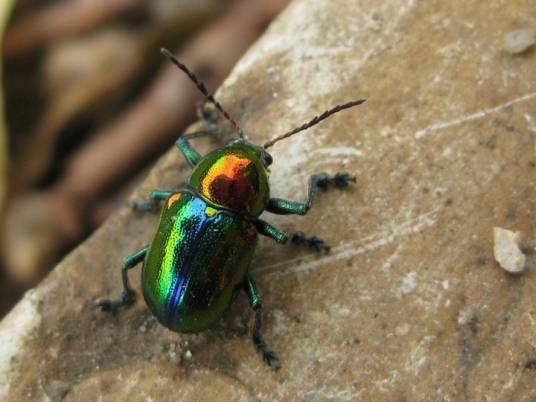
x: 410, y: 304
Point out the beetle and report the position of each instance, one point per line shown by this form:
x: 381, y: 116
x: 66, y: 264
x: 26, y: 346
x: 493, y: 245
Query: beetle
x: 200, y: 255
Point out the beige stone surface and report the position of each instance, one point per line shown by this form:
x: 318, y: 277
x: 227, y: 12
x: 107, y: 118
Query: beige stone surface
x: 410, y: 304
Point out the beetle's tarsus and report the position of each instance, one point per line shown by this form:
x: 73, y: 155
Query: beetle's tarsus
x: 340, y: 179
x: 271, y: 359
x: 211, y: 125
x: 208, y: 115
x: 128, y: 296
x: 127, y: 299
x: 267, y: 354
x: 145, y: 206
x: 313, y: 242
x: 152, y: 204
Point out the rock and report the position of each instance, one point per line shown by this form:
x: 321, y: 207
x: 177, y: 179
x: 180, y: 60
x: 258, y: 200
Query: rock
x: 519, y: 40
x: 409, y: 304
x: 506, y: 250
x: 56, y: 390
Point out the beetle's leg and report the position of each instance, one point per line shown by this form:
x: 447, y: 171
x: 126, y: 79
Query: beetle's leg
x: 190, y: 154
x: 313, y: 242
x: 127, y: 297
x: 255, y: 301
x: 152, y: 204
x: 322, y: 180
x: 266, y: 229
x: 297, y: 238
x: 286, y: 207
x: 207, y: 114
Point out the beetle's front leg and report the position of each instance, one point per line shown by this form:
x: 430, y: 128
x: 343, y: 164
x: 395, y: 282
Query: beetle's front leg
x: 128, y: 295
x: 152, y: 204
x: 286, y: 207
x: 322, y: 180
x: 268, y: 355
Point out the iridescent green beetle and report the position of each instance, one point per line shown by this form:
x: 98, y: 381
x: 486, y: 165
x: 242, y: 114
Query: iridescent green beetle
x: 200, y: 256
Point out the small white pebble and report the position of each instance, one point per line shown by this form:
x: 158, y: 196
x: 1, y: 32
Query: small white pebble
x: 506, y: 250
x: 520, y: 40
x: 188, y: 355
x: 465, y: 316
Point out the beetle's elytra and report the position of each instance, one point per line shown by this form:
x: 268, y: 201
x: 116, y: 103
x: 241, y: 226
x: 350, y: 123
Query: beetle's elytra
x: 200, y: 256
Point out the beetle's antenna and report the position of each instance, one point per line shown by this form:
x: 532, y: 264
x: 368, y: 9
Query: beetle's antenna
x: 201, y: 86
x: 314, y: 121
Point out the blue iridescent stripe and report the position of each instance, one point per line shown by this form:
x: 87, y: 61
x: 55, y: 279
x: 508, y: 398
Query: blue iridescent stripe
x: 194, y: 211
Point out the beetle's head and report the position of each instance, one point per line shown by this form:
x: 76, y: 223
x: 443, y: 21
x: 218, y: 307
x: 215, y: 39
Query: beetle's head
x: 234, y: 176
x: 254, y: 150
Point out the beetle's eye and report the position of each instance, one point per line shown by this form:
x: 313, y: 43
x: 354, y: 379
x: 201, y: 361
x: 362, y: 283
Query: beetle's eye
x: 267, y: 159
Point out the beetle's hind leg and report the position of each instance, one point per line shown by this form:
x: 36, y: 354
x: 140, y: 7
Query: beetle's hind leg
x: 128, y: 295
x: 267, y: 355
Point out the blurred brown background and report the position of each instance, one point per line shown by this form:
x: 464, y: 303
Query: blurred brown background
x: 90, y: 104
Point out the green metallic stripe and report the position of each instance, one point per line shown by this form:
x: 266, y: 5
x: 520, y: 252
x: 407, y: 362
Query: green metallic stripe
x: 159, y: 272
x: 176, y: 248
